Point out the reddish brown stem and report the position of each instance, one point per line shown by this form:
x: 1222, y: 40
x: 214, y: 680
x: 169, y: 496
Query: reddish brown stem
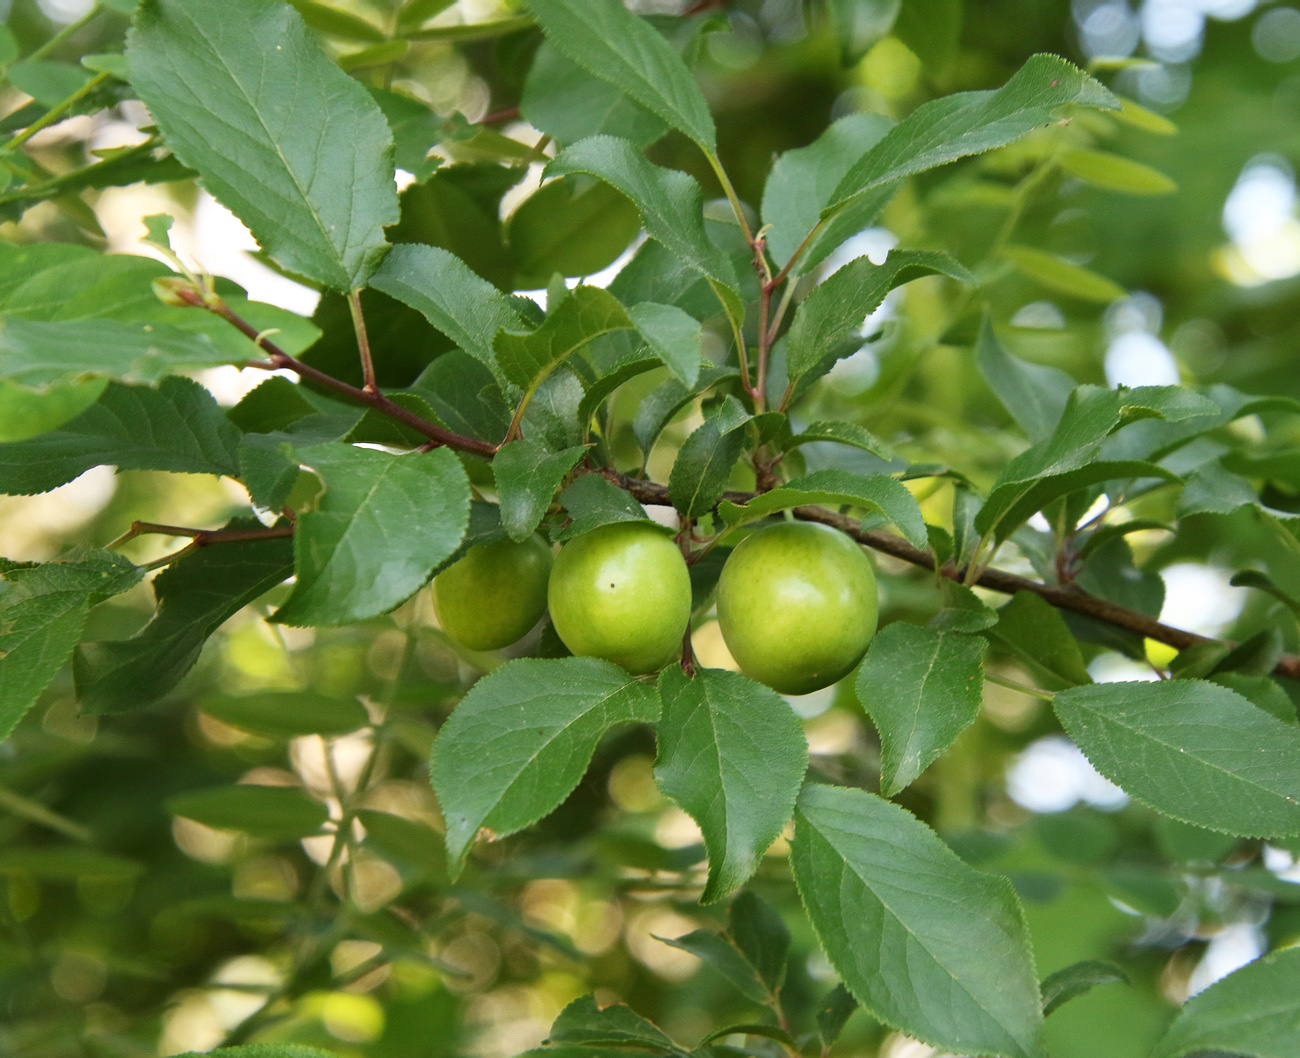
x: 278, y: 358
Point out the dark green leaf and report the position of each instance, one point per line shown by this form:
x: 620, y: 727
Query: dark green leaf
x: 605, y: 38
x: 955, y: 126
x: 963, y: 610
x: 570, y: 227
x: 903, y: 920
x: 1035, y: 633
x: 287, y: 714
x: 841, y: 304
x: 466, y: 308
x: 761, y: 936
x: 705, y: 461
x: 292, y: 145
x: 527, y: 476
x: 845, y: 433
x: 723, y: 956
x: 274, y: 812
x: 1078, y: 979
x: 922, y: 689
x: 518, y: 743
x: 584, y: 1023
x: 802, y: 181
x: 196, y: 594
x: 43, y: 610
x: 527, y: 357
x: 1192, y: 750
x: 1034, y: 395
x: 878, y: 492
x: 1253, y: 1011
x: 176, y: 427
x: 591, y: 502
x: 670, y: 203
x: 733, y: 755
x: 833, y: 1014
x: 566, y: 102
x: 383, y: 524
x: 673, y: 336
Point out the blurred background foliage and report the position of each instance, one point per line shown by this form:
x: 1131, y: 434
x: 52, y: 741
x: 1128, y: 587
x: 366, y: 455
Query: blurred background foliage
x: 129, y: 929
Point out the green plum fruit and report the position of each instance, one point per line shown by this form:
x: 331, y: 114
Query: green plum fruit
x: 797, y: 606
x: 622, y: 592
x: 495, y: 594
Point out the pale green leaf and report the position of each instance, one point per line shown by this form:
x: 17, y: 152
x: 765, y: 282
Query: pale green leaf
x: 921, y: 688
x: 673, y: 336
x: 527, y: 475
x: 1115, y: 173
x: 903, y: 920
x: 1193, y: 750
x: 286, y: 140
x: 1063, y: 276
x: 383, y: 524
x: 518, y: 743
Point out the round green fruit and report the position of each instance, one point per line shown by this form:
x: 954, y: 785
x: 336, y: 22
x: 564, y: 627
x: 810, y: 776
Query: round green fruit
x: 622, y: 592
x: 495, y: 594
x: 797, y: 606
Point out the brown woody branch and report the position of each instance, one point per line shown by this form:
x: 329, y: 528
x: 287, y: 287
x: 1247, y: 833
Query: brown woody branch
x: 1062, y: 596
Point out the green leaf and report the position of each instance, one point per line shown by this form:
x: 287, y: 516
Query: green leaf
x: 860, y: 23
x: 1193, y: 750
x: 670, y: 203
x: 383, y: 525
x: 845, y: 433
x: 673, y: 336
x: 38, y: 355
x: 840, y: 305
x: 1033, y: 394
x: 66, y: 863
x: 279, y: 813
x: 722, y: 955
x: 932, y: 30
x: 289, y: 143
x: 49, y: 83
x: 465, y: 307
x: 263, y: 1050
x: 618, y: 1025
x: 196, y: 594
x: 526, y: 358
x: 569, y: 227
x: 1062, y: 276
x: 1035, y: 633
x: 878, y: 492
x: 416, y: 129
x: 963, y: 610
x: 591, y: 502
x: 177, y: 427
x: 518, y: 743
x: 833, y: 1014
x: 287, y: 714
x: 24, y: 414
x: 705, y: 461
x: 1078, y: 979
x: 761, y: 936
x: 922, y: 689
x: 903, y: 920
x: 43, y: 610
x: 569, y: 104
x: 527, y: 475
x: 802, y: 181
x: 966, y: 123
x: 732, y: 754
x: 336, y: 23
x: 1115, y: 172
x: 1253, y: 1011
x: 605, y: 38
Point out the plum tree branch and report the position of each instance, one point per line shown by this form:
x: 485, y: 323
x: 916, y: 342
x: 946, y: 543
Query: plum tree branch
x: 1062, y: 596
